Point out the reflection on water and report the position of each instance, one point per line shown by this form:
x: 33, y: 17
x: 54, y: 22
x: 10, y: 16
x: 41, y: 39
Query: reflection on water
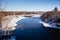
x: 7, y: 37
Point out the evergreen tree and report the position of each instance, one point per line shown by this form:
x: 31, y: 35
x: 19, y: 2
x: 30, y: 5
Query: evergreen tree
x: 56, y: 9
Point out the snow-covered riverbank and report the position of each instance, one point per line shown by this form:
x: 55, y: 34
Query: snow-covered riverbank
x: 10, y: 22
x: 49, y: 25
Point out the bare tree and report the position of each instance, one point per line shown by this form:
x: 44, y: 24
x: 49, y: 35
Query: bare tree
x: 2, y: 13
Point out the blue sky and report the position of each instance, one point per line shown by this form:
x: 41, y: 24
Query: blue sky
x: 30, y: 5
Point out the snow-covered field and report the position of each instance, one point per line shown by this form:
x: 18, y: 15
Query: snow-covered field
x: 10, y: 22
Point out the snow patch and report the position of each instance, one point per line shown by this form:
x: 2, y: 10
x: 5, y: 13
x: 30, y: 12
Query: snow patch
x: 45, y: 24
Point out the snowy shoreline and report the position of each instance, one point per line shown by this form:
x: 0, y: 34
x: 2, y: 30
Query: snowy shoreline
x: 10, y: 21
x: 49, y: 25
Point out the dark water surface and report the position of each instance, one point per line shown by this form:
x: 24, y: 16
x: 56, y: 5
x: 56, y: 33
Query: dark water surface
x: 31, y: 29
